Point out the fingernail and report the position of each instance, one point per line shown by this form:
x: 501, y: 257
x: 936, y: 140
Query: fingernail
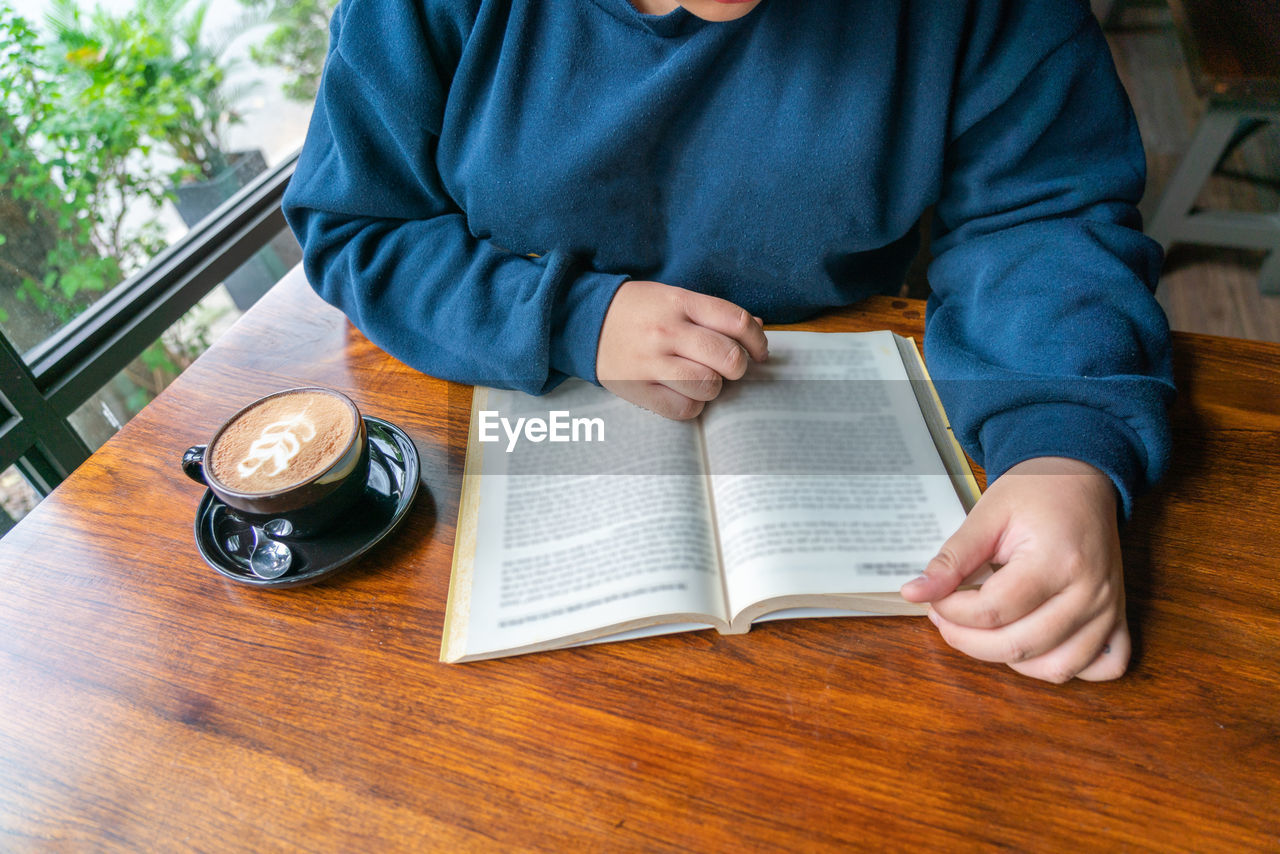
x: 918, y: 580
x: 933, y: 616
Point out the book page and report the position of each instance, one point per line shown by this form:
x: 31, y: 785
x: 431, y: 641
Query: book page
x: 580, y: 536
x: 825, y: 478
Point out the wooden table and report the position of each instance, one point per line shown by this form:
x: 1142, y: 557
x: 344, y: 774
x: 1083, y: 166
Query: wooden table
x: 146, y: 704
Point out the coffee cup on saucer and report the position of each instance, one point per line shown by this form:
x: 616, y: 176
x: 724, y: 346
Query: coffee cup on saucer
x: 290, y: 462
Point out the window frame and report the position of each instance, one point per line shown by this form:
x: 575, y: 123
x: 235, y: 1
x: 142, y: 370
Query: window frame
x: 43, y: 387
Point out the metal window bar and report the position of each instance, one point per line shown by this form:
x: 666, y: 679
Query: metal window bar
x: 40, y: 391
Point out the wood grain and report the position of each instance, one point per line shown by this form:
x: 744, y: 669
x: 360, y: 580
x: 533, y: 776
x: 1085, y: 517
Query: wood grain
x: 148, y: 704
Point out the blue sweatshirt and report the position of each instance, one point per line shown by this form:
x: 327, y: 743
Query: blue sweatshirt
x: 480, y: 176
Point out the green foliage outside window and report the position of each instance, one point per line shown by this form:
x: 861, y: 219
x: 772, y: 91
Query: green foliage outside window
x: 69, y: 171
x: 95, y: 125
x: 102, y: 116
x: 169, y: 74
x: 297, y: 43
x: 106, y: 118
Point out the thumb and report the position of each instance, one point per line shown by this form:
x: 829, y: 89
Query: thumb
x: 968, y: 550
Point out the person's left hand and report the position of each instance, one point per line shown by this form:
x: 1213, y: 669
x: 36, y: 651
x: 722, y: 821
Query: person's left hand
x: 1054, y: 609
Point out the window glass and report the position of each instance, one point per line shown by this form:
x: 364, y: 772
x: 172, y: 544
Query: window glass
x: 17, y: 497
x: 124, y: 122
x: 104, y: 413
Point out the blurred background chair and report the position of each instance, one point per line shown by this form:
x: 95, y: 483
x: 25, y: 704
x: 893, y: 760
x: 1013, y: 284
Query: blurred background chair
x: 1233, y: 53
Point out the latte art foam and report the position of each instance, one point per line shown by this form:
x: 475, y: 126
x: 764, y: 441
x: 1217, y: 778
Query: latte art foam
x: 277, y: 444
x: 282, y: 441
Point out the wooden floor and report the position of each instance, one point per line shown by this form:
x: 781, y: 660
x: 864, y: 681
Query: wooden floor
x: 1203, y: 289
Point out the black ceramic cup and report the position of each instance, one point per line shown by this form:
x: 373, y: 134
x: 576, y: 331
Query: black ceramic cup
x: 298, y: 503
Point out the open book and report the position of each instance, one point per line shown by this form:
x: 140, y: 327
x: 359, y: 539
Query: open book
x: 814, y: 486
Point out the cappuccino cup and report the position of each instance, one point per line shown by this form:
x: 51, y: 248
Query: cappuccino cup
x: 290, y: 462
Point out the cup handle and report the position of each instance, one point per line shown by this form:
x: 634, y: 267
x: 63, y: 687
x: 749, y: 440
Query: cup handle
x: 193, y: 463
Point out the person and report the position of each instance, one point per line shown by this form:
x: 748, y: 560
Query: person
x: 512, y: 192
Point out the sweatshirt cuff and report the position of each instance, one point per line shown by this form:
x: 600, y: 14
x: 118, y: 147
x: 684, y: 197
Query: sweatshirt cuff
x: 576, y: 322
x: 1064, y: 430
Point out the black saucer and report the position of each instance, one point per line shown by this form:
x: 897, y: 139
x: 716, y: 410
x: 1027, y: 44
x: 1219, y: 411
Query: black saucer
x: 225, y: 540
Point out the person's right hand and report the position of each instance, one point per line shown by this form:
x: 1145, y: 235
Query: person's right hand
x: 670, y: 350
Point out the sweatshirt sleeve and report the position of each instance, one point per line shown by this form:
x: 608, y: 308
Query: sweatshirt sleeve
x: 383, y: 241
x: 1043, y: 332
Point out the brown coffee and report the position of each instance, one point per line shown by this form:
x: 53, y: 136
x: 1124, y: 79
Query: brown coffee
x: 283, y: 440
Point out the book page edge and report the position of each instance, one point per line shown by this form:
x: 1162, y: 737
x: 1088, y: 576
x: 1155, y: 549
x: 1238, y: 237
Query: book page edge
x: 599, y: 634
x: 457, y: 614
x: 966, y: 484
x: 885, y: 604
